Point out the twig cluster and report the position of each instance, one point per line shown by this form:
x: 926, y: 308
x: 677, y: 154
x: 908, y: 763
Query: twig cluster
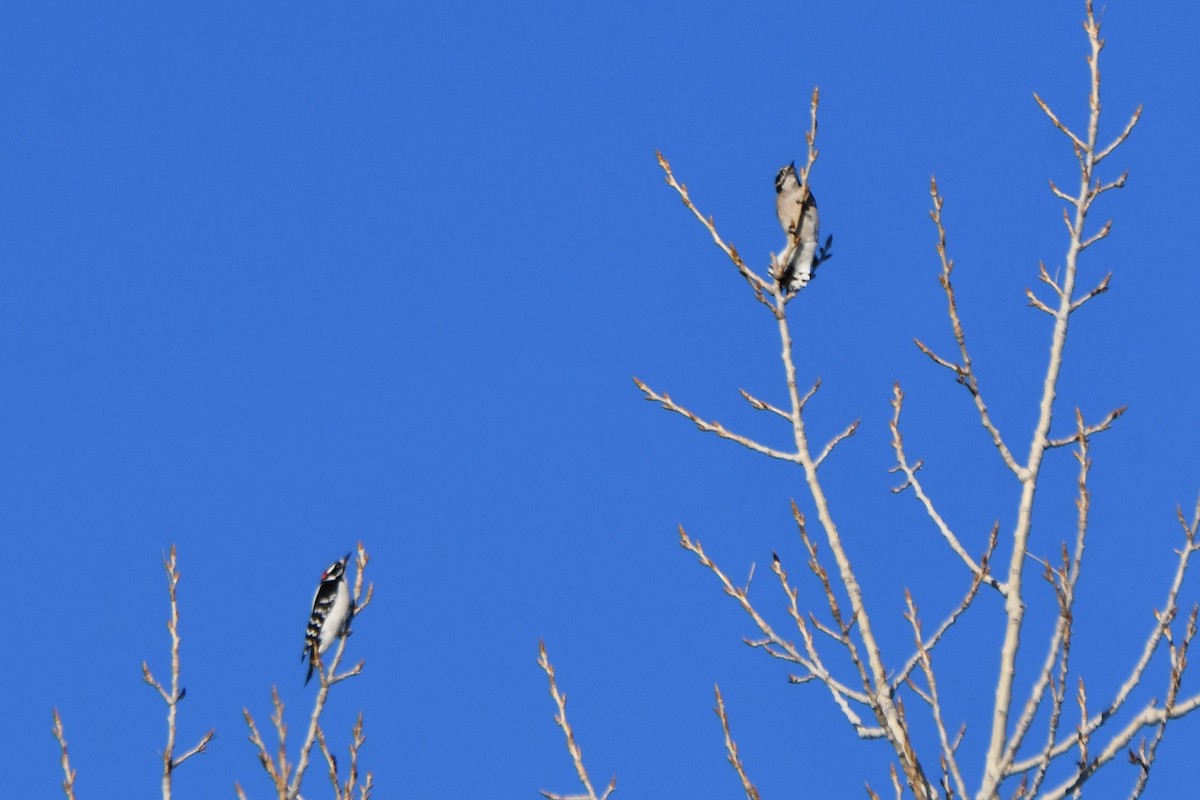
x: 870, y: 694
x: 172, y: 697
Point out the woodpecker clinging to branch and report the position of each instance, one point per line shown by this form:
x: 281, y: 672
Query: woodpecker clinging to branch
x: 797, y: 210
x: 331, y: 613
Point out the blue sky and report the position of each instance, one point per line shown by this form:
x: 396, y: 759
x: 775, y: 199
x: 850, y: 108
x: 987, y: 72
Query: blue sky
x: 281, y: 277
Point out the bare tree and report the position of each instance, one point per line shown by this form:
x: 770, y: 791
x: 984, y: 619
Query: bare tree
x: 839, y: 649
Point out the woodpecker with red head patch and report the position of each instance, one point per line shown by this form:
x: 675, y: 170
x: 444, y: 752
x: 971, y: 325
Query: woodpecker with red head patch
x: 332, y: 610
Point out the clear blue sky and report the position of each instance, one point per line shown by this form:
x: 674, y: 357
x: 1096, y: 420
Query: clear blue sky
x: 279, y: 277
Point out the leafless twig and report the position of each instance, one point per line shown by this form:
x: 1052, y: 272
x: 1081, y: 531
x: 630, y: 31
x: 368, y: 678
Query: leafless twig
x: 346, y: 790
x: 949, y: 757
x: 759, y: 285
x: 965, y: 370
x: 911, y: 480
x: 177, y: 692
x: 731, y: 748
x: 560, y: 700
x: 68, y: 783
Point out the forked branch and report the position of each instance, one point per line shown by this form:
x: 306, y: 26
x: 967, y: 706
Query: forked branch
x: 964, y: 370
x: 176, y: 693
x: 909, y: 471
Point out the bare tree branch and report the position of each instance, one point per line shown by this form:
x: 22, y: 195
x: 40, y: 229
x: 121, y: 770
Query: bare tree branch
x: 172, y: 698
x: 910, y: 474
x: 346, y: 790
x: 964, y: 370
x: 712, y: 427
x: 68, y: 784
x: 1075, y: 140
x: 835, y: 441
x: 1149, y: 715
x: 573, y: 748
x: 1063, y: 582
x: 732, y: 749
x: 776, y: 645
x: 949, y: 759
x: 999, y: 747
x: 762, y: 405
x: 1099, y: 290
x: 760, y: 286
x: 972, y: 592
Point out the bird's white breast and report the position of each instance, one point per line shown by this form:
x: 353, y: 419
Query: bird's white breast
x: 337, y: 617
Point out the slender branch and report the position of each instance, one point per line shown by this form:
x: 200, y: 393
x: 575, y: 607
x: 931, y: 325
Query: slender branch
x: 1121, y: 137
x: 760, y: 286
x: 1075, y: 140
x: 842, y: 636
x: 965, y: 371
x: 1038, y: 304
x: 1091, y: 240
x: 1100, y: 289
x: 1087, y: 431
x: 972, y: 592
x: 835, y: 441
x: 1059, y: 193
x: 331, y: 761
x: 783, y: 648
x: 807, y: 396
x: 762, y: 405
x: 1118, y: 183
x: 68, y: 784
x: 176, y: 693
x: 911, y: 480
x: 949, y: 759
x: 712, y: 427
x: 560, y: 719
x: 731, y: 748
x: 277, y: 772
x: 345, y: 791
x: 1044, y: 276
